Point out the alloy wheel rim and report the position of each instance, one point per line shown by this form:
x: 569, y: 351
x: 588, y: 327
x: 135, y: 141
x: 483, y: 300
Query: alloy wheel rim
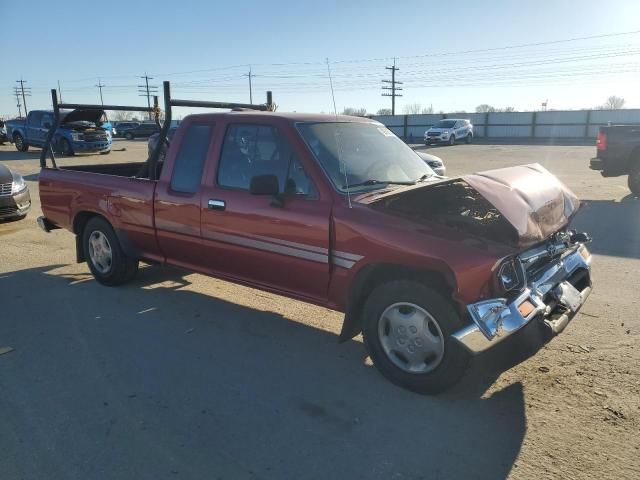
x: 100, y: 251
x: 411, y: 338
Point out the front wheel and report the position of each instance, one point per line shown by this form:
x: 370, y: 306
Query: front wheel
x: 469, y: 138
x: 407, y: 330
x: 20, y: 144
x: 128, y: 136
x: 65, y: 148
x: 452, y: 140
x: 106, y: 259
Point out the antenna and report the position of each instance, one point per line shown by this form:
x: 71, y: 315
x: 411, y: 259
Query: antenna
x: 335, y: 112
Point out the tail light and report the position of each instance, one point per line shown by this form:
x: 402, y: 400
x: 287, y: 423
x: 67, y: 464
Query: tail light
x: 601, y: 142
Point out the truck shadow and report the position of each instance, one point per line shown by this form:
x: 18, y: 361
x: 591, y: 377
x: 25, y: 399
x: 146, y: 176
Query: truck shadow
x: 613, y: 225
x: 169, y: 380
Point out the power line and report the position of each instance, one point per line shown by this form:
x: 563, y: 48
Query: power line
x: 393, y: 87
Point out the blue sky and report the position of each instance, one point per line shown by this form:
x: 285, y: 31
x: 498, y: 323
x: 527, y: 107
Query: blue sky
x: 205, y: 48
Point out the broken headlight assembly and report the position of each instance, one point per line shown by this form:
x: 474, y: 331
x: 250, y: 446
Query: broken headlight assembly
x: 510, y: 275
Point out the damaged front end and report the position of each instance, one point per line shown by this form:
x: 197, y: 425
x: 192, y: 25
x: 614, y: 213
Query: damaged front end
x: 527, y: 208
x: 556, y: 281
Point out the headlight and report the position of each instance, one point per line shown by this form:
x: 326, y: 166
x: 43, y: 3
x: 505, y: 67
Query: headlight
x: 18, y: 183
x: 76, y: 136
x: 511, y: 275
x: 434, y: 163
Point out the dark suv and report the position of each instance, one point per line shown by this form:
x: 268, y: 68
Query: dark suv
x: 131, y: 130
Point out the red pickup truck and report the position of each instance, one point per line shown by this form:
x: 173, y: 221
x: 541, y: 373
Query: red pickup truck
x: 338, y: 212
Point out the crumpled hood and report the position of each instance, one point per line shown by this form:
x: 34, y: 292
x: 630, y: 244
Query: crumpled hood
x: 82, y: 115
x: 532, y: 199
x: 522, y: 205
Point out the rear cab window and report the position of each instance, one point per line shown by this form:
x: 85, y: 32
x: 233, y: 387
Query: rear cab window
x: 189, y: 162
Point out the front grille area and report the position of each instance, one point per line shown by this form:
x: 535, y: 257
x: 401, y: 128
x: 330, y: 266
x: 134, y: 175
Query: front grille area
x: 433, y: 134
x: 95, y: 136
x: 5, y: 188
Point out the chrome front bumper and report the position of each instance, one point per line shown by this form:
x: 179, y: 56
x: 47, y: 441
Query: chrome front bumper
x: 549, y: 297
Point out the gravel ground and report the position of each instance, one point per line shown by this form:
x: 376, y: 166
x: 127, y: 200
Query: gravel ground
x: 183, y: 376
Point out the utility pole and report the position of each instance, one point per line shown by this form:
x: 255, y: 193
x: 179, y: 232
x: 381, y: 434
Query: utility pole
x: 393, y: 87
x: 18, y: 104
x: 99, y: 85
x: 59, y: 92
x: 250, y: 93
x: 148, y: 91
x: 26, y: 92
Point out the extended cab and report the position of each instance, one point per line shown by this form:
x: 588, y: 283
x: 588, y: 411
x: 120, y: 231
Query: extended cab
x: 337, y: 211
x: 80, y: 131
x: 618, y: 153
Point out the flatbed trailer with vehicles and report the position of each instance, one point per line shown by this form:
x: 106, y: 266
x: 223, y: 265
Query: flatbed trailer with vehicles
x: 335, y: 211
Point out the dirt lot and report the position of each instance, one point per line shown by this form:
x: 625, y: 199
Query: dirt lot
x: 183, y: 376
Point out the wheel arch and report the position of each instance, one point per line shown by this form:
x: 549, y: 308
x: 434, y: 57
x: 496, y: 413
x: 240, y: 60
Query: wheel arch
x: 371, y: 276
x: 79, y: 223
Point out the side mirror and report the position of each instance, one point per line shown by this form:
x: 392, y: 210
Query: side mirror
x: 264, y: 185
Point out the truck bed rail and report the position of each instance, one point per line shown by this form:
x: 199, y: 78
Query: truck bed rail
x: 169, y: 103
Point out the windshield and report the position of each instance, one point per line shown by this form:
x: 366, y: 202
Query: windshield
x: 445, y: 124
x: 355, y: 153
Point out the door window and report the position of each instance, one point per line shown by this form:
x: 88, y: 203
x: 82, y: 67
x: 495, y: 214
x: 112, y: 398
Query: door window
x: 34, y: 119
x: 47, y: 120
x: 187, y: 170
x: 250, y: 150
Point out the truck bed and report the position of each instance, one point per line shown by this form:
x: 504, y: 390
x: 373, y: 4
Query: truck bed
x: 129, y: 169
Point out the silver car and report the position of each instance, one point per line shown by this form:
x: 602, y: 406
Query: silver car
x: 449, y: 130
x: 436, y: 163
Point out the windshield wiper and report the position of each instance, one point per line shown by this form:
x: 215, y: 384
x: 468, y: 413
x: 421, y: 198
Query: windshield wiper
x: 377, y: 182
x: 425, y: 176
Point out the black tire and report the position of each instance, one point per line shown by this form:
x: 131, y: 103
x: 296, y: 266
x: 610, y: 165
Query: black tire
x: 65, y: 148
x: 452, y: 140
x: 122, y: 269
x: 128, y: 136
x: 469, y: 138
x: 453, y: 362
x: 18, y: 141
x: 633, y: 180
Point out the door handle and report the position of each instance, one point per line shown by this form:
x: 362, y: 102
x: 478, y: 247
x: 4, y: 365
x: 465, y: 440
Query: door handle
x: 216, y: 204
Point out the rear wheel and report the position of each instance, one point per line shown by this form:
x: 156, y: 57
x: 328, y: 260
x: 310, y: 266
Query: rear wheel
x: 106, y: 259
x: 469, y: 138
x: 19, y: 142
x: 128, y: 136
x: 634, y: 179
x: 407, y: 329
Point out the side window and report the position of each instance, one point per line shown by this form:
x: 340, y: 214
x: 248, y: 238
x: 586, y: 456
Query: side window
x: 47, y: 120
x: 187, y: 170
x: 34, y: 119
x: 251, y: 150
x: 298, y: 182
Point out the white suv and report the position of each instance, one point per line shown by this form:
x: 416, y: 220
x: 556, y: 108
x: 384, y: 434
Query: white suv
x: 448, y: 131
